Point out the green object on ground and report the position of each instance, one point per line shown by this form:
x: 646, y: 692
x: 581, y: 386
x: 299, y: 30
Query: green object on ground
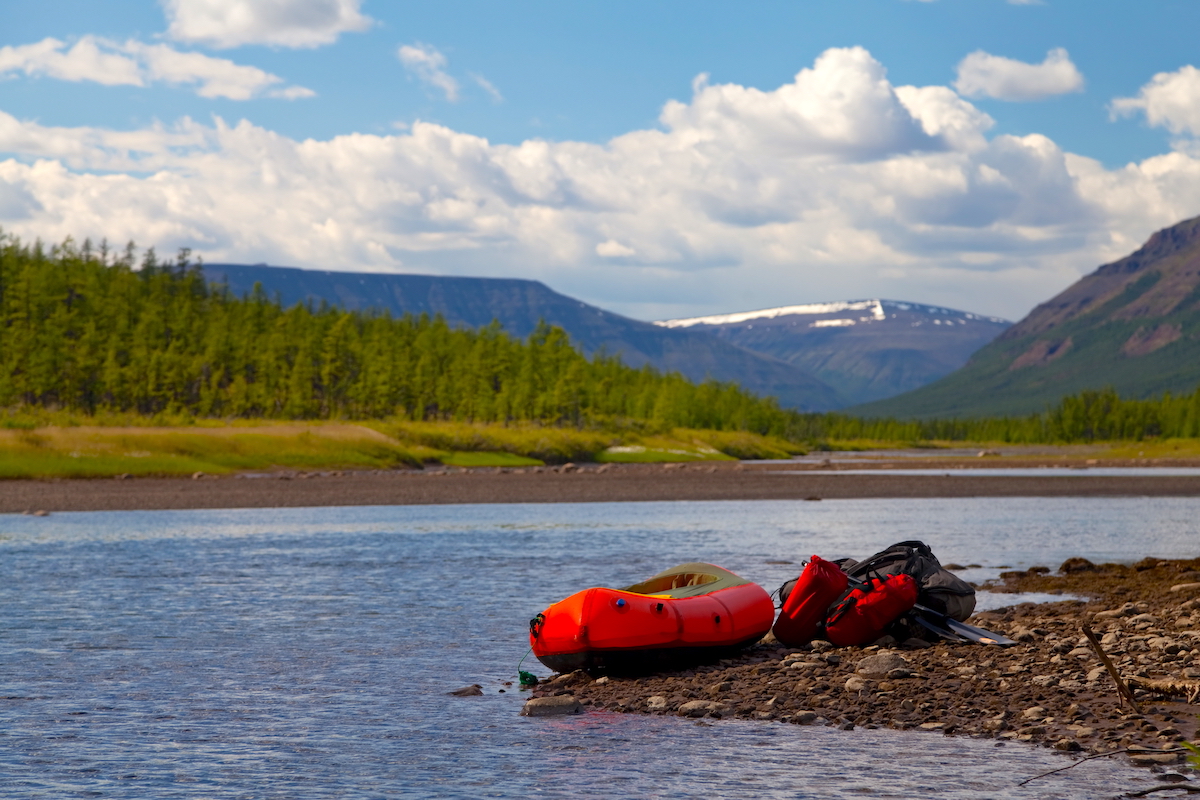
x: 523, y: 677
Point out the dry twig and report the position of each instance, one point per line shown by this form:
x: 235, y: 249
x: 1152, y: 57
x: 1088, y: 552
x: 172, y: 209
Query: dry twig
x: 1125, y: 692
x: 1188, y: 689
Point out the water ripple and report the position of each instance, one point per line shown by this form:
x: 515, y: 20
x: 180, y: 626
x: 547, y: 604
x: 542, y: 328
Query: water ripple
x: 308, y: 652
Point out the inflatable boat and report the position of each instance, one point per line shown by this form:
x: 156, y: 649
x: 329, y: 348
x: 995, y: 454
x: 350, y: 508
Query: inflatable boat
x: 688, y: 614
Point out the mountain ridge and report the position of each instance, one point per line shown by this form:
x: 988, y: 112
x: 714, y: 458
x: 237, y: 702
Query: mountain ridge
x: 518, y: 304
x: 1132, y: 324
x: 866, y: 349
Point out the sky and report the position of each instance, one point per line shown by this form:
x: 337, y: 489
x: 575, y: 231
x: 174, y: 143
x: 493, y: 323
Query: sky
x: 658, y: 159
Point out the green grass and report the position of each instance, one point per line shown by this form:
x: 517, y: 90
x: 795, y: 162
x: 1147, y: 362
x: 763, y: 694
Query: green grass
x: 1154, y: 448
x: 485, y: 458
x: 685, y: 444
x: 80, y: 448
x: 104, y: 452
x: 740, y: 444
x: 536, y: 442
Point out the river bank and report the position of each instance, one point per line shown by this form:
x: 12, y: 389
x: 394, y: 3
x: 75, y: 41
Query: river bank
x: 1050, y: 689
x: 809, y: 480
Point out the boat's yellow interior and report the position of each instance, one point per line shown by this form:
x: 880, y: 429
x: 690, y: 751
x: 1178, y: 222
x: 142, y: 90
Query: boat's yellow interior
x: 669, y: 585
x: 687, y: 580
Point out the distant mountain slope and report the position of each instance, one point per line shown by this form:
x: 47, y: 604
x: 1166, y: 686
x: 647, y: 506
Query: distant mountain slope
x: 519, y: 304
x: 1133, y: 324
x: 866, y: 349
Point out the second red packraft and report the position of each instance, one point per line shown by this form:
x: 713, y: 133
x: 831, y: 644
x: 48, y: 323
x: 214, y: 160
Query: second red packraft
x: 862, y: 617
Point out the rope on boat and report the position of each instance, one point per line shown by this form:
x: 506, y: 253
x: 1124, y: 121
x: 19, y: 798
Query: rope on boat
x: 523, y: 677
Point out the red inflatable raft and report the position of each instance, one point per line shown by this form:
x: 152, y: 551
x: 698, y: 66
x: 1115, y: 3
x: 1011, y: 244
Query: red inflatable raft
x: 687, y: 614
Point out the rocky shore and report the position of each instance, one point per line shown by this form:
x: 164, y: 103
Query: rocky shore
x: 1051, y: 688
x: 590, y: 483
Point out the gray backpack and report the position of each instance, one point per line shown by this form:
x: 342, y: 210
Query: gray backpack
x: 940, y: 589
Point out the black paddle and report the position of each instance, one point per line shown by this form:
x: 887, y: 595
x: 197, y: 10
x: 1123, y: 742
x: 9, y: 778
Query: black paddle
x: 949, y: 628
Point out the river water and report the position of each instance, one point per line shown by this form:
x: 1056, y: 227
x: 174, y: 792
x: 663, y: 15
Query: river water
x: 307, y: 653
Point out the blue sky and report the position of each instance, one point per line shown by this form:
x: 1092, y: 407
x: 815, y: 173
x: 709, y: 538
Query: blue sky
x: 660, y: 160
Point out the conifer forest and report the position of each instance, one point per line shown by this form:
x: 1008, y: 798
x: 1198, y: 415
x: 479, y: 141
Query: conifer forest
x: 87, y: 329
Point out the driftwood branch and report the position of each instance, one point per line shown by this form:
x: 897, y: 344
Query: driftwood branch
x: 1166, y: 787
x: 1072, y: 764
x: 1172, y: 688
x: 1123, y: 690
x: 1114, y: 753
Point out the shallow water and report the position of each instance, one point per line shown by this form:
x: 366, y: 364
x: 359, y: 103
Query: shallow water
x: 307, y: 652
x: 1012, y: 472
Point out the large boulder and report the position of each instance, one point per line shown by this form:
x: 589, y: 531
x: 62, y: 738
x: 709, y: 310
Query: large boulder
x: 878, y: 665
x: 557, y: 706
x: 701, y: 708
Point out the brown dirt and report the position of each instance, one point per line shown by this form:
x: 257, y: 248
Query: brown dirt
x: 1049, y: 689
x: 587, y: 483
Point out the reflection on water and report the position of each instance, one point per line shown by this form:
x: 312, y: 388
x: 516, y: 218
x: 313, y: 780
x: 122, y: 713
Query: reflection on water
x: 307, y: 652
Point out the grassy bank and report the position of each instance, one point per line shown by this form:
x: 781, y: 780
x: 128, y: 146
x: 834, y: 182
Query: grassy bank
x: 64, y: 445
x: 76, y: 447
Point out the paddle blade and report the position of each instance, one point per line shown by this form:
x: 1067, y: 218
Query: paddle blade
x: 980, y: 635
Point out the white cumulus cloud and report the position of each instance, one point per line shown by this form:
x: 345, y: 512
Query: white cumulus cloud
x: 982, y: 74
x: 135, y: 63
x: 1170, y: 100
x: 611, y: 248
x: 429, y: 65
x: 89, y: 59
x: 280, y: 23
x: 835, y: 185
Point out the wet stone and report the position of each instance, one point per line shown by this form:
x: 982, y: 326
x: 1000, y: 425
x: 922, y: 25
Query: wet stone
x: 555, y: 706
x: 1150, y: 758
x: 701, y: 708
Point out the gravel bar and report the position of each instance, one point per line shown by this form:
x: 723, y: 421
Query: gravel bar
x: 1050, y: 689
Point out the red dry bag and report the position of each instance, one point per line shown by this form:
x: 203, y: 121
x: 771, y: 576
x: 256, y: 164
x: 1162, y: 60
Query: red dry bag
x: 862, y: 617
x: 821, y: 583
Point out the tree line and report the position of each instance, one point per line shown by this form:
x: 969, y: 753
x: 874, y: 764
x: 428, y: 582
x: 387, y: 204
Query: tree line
x: 86, y: 329
x: 1091, y: 415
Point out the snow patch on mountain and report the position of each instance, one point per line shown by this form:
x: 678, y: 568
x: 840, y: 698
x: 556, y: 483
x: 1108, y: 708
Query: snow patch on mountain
x: 877, y: 311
